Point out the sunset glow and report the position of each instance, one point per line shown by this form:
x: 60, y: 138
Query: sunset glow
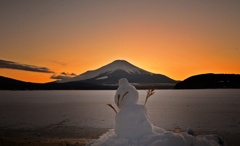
x: 175, y: 38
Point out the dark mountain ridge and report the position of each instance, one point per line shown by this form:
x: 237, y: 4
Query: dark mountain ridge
x: 112, y: 78
x: 12, y: 84
x: 210, y: 81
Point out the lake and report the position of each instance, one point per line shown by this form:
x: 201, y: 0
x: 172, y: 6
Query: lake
x: 208, y: 109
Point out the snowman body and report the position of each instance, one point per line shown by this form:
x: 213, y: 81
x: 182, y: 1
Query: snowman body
x: 132, y: 120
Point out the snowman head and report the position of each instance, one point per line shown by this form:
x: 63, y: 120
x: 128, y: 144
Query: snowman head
x: 126, y: 94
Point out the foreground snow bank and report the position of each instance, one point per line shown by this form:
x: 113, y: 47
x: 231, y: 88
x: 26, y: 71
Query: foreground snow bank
x: 160, y: 137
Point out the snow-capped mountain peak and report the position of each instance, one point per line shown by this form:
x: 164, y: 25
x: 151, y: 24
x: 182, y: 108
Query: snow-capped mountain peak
x: 122, y: 65
x: 107, y: 69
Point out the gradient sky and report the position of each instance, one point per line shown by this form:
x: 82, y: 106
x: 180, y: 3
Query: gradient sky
x: 177, y: 38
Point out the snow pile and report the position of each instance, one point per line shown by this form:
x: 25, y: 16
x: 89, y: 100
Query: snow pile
x: 133, y: 127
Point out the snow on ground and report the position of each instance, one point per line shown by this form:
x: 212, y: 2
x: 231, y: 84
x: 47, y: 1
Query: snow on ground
x: 204, y: 110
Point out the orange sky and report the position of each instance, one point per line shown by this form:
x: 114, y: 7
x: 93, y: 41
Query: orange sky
x: 170, y: 37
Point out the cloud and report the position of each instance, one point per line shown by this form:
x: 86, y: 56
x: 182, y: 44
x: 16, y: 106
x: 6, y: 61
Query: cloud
x: 73, y: 74
x: 19, y: 66
x: 63, y: 75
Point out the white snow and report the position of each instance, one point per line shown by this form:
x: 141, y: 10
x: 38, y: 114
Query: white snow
x: 109, y: 68
x: 133, y: 127
x: 102, y: 78
x: 160, y: 137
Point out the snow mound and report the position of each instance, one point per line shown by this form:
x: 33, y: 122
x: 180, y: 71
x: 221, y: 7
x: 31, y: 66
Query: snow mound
x: 160, y: 137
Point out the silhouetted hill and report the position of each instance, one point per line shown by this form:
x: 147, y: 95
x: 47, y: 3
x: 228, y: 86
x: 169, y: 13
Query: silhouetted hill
x: 210, y: 81
x: 12, y: 84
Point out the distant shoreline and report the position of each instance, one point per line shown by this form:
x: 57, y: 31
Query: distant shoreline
x: 202, y: 81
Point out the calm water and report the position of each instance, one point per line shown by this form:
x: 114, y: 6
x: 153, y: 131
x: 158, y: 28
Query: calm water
x: 200, y: 109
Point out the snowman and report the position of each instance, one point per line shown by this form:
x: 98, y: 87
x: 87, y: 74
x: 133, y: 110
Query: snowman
x: 133, y: 127
x: 132, y: 120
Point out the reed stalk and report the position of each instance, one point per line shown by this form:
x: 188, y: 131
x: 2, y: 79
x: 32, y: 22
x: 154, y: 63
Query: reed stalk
x: 150, y: 92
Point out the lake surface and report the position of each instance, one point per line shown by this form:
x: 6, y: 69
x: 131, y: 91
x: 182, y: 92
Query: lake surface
x: 214, y: 110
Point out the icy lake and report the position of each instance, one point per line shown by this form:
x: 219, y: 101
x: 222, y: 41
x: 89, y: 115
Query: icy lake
x: 212, y: 110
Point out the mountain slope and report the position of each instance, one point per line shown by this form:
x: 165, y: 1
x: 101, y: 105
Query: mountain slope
x: 112, y: 78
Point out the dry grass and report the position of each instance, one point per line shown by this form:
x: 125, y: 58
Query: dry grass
x: 150, y: 92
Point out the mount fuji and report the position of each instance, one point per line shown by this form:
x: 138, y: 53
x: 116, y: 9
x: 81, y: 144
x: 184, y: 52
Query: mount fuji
x: 105, y: 77
x: 112, y: 72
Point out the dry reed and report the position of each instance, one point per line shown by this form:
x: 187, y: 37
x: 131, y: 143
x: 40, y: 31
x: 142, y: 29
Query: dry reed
x: 150, y: 92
